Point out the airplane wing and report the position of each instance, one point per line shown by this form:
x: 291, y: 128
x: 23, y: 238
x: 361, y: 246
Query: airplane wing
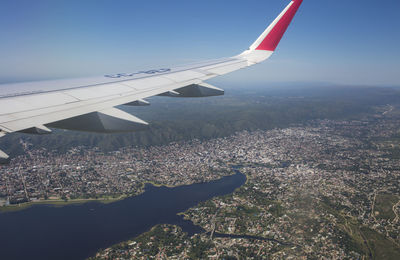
x: 89, y: 104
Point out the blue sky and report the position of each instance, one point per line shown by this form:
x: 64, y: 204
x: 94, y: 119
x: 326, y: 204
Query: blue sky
x: 343, y: 42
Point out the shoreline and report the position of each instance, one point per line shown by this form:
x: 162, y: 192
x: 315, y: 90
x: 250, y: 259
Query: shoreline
x: 59, y: 203
x: 63, y: 203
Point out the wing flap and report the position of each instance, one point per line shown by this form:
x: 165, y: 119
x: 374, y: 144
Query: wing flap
x: 98, y: 91
x: 184, y: 75
x: 32, y: 102
x: 148, y: 83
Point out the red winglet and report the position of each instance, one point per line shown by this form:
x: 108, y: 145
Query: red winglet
x: 273, y: 38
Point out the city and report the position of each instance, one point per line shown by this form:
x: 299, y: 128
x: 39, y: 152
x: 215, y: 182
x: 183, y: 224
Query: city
x: 324, y: 189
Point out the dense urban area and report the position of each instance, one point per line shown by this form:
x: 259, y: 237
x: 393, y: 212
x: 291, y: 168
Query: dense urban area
x: 327, y: 189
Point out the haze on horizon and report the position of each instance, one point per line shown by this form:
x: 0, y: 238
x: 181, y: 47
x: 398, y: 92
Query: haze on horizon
x: 340, y: 42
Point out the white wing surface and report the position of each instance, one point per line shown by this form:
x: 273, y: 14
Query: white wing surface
x: 88, y: 104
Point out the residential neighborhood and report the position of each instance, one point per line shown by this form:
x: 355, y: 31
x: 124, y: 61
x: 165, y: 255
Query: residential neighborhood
x: 327, y: 189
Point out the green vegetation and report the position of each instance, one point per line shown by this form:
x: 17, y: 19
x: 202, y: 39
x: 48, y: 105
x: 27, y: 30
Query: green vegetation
x: 160, y: 237
x: 161, y: 241
x: 259, y: 198
x: 58, y: 203
x: 381, y: 247
x: 359, y: 238
x: 384, y: 206
x: 198, y: 251
x: 394, y: 153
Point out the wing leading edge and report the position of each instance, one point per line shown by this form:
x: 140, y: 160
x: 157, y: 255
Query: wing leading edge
x: 88, y: 104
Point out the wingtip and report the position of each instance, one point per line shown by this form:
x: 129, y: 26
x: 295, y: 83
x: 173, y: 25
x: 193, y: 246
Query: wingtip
x: 271, y: 37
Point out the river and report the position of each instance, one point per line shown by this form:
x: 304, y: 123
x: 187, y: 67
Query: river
x: 79, y: 231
